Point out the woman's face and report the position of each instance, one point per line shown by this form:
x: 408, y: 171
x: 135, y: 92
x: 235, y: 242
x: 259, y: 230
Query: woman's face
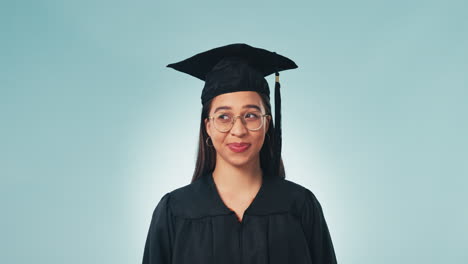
x: 226, y: 144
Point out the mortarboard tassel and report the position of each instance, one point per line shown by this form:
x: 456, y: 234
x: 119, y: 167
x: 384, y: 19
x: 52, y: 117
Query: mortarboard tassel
x: 278, y: 141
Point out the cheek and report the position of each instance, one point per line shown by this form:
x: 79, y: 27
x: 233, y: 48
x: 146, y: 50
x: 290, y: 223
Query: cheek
x: 218, y: 138
x: 260, y: 139
x: 257, y: 139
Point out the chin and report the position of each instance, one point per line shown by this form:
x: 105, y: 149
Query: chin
x: 239, y: 161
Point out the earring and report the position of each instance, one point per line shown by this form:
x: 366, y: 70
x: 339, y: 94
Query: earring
x: 206, y: 141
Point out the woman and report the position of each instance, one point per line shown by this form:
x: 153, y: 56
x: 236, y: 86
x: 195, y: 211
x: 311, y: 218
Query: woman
x: 239, y: 208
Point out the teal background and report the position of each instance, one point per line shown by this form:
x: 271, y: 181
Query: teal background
x: 95, y: 129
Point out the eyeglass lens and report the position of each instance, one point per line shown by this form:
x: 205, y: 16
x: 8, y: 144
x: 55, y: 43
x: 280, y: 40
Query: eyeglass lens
x: 252, y: 120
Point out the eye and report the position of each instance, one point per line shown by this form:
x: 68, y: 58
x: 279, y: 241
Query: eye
x: 223, y: 117
x: 252, y: 116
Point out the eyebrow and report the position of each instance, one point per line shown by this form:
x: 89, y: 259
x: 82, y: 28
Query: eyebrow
x: 230, y: 108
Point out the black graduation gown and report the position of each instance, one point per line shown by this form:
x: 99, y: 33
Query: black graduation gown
x: 283, y: 224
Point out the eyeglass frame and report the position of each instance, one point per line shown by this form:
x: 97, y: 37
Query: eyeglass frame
x: 242, y: 119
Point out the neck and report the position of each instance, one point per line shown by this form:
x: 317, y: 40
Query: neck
x: 235, y: 178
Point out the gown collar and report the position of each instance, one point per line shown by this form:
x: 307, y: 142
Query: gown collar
x: 267, y: 200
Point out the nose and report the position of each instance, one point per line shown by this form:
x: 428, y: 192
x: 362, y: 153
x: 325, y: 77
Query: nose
x: 238, y: 128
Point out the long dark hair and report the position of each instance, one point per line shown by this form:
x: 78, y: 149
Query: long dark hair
x: 206, y: 157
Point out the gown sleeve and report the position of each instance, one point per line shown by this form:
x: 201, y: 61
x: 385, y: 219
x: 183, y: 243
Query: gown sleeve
x: 158, y: 247
x: 316, y: 230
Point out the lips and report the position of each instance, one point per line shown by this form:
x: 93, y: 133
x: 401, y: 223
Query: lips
x: 238, y: 146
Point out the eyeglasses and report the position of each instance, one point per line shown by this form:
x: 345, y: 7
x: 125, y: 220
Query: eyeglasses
x: 252, y: 120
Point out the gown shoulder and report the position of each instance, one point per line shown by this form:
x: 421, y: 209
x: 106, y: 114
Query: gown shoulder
x: 160, y: 237
x: 316, y: 230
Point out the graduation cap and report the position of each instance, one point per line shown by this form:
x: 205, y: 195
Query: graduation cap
x: 238, y: 67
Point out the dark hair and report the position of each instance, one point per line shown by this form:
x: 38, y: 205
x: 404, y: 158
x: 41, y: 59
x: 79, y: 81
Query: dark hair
x: 206, y: 157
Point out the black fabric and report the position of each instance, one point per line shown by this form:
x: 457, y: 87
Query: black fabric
x: 283, y: 224
x: 278, y: 130
x: 233, y: 74
x: 233, y: 68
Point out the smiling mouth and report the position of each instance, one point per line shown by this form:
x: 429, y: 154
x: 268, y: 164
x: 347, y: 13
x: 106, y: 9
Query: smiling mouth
x: 238, y: 147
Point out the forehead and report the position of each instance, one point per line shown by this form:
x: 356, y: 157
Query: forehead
x: 236, y: 100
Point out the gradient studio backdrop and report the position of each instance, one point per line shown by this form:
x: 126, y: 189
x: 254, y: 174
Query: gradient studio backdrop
x: 95, y: 129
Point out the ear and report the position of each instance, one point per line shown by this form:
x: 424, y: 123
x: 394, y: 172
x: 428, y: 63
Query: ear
x: 207, y: 126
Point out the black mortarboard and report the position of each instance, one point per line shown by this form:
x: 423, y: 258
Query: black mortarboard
x: 238, y: 67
